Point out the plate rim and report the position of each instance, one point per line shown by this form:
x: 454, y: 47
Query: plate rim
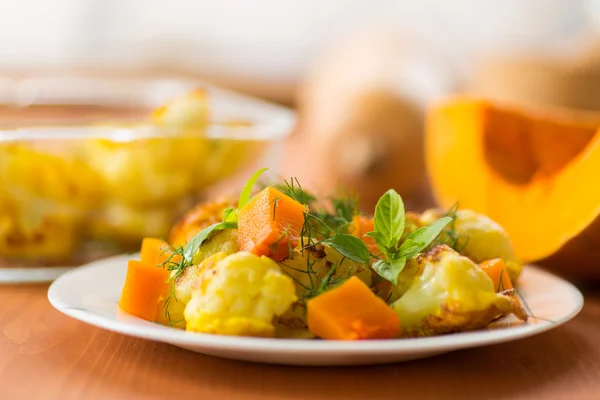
x: 152, y: 331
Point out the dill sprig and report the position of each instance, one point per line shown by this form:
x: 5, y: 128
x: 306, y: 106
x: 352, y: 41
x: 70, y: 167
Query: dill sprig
x: 176, y: 264
x: 293, y: 189
x: 500, y: 287
x: 340, y: 218
x: 528, y: 309
x: 450, y: 235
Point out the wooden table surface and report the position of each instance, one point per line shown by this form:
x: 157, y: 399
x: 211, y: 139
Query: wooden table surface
x: 46, y: 355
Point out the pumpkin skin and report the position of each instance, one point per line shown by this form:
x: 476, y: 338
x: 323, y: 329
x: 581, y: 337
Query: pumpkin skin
x: 535, y: 173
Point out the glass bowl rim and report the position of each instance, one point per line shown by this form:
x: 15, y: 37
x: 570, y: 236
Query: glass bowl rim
x: 121, y: 131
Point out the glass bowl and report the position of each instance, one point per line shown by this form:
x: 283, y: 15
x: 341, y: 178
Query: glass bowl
x: 94, y: 182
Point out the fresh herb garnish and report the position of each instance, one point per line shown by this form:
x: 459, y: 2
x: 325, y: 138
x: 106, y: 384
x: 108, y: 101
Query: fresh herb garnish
x: 246, y: 193
x: 422, y: 237
x: 389, y: 225
x: 192, y: 247
x: 389, y: 221
x: 450, y: 235
x: 231, y: 214
x: 500, y: 287
x: 337, y: 216
x: 350, y: 247
x: 293, y: 189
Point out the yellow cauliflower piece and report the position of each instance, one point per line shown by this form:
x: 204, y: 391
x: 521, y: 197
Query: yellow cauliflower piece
x: 239, y: 295
x: 44, y: 199
x: 218, y: 246
x: 411, y: 270
x: 321, y: 258
x: 484, y: 238
x: 147, y: 172
x: 203, y: 214
x: 222, y: 241
x: 451, y: 294
x: 130, y: 223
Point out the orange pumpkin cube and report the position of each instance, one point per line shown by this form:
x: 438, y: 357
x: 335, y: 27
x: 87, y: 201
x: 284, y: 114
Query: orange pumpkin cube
x: 145, y: 286
x: 362, y: 225
x: 496, y: 270
x: 156, y: 251
x: 270, y: 224
x: 351, y: 312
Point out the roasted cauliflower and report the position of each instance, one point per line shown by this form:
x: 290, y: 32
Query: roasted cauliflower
x: 201, y: 216
x: 128, y: 224
x: 239, y: 295
x: 309, y: 269
x: 451, y: 294
x: 411, y: 270
x: 44, y: 199
x: 218, y: 246
x: 483, y: 238
x: 147, y: 172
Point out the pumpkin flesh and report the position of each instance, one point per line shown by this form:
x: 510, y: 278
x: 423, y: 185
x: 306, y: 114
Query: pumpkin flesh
x: 533, y: 174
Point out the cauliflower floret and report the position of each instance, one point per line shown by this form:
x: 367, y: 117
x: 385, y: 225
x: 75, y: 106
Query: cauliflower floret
x: 224, y: 241
x: 321, y: 258
x: 44, y: 200
x: 218, y: 246
x: 484, y: 238
x: 411, y: 270
x: 201, y: 216
x: 130, y: 223
x: 147, y: 172
x: 239, y: 295
x: 451, y: 294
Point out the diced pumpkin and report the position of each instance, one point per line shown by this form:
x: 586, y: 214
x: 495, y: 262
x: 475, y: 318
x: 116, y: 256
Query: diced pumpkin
x: 534, y: 173
x: 496, y: 270
x: 362, y: 225
x: 156, y: 251
x: 145, y: 287
x: 270, y: 224
x: 351, y: 312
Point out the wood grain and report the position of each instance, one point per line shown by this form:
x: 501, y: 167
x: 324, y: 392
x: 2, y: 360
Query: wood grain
x: 45, y: 355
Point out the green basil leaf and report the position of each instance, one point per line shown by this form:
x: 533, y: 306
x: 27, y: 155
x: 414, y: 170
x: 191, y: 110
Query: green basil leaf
x: 390, y: 269
x: 350, y: 247
x: 191, y: 248
x: 422, y: 237
x: 246, y: 192
x: 380, y: 240
x: 389, y: 219
x: 410, y: 247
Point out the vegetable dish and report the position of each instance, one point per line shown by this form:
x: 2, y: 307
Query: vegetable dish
x: 283, y: 263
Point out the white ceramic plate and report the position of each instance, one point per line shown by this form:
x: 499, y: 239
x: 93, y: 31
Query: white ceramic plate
x: 91, y: 293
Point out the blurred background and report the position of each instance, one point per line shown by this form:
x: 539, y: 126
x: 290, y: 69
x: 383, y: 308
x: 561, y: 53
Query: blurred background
x: 267, y: 47
x: 359, y: 74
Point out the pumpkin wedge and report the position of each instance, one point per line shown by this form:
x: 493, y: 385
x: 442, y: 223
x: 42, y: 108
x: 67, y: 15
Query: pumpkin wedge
x: 535, y: 173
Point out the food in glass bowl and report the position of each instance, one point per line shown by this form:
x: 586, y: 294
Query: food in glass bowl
x: 70, y: 194
x: 283, y: 263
